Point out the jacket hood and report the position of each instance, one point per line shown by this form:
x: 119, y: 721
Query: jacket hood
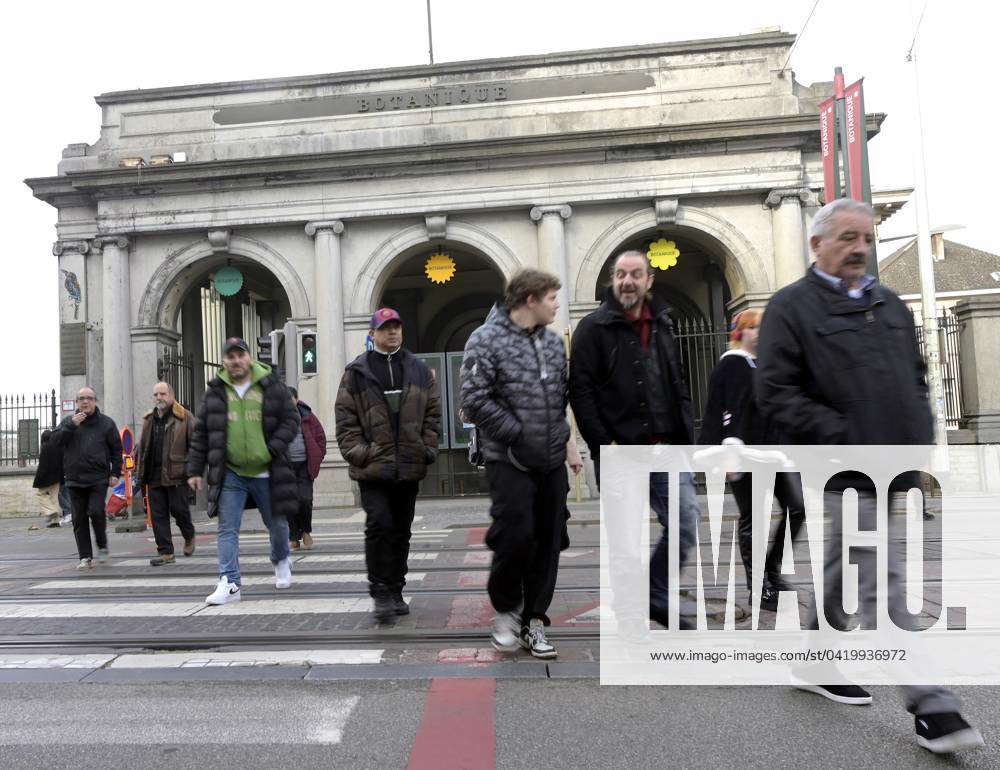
x: 304, y: 409
x: 499, y: 315
x: 258, y: 371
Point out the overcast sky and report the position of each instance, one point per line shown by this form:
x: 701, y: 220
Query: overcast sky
x: 56, y: 57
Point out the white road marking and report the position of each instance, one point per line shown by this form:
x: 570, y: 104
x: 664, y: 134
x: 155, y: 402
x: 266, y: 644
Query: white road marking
x: 151, y: 609
x: 201, y: 659
x: 54, y: 661
x: 157, y: 581
x: 332, y: 720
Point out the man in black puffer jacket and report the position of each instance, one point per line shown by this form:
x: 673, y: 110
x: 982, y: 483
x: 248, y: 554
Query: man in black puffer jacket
x: 92, y: 462
x: 514, y: 390
x: 246, y: 424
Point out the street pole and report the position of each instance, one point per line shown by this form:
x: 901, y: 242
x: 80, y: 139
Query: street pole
x: 928, y: 292
x: 430, y: 38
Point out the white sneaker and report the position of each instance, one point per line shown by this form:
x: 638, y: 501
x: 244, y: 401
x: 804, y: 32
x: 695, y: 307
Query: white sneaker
x: 283, y: 573
x: 85, y: 564
x: 506, y: 626
x: 66, y: 521
x: 224, y: 592
x: 533, y: 639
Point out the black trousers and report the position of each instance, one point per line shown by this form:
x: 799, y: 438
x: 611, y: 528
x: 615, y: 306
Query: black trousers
x: 788, y: 492
x: 88, y: 506
x: 388, y: 519
x: 165, y: 502
x: 302, y: 521
x: 529, y: 519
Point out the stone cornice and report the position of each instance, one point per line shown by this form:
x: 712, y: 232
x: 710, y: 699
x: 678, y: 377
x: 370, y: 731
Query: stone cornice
x: 792, y: 132
x: 334, y: 225
x: 759, y: 40
x: 562, y: 209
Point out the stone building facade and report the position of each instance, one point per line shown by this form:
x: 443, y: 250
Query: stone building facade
x: 329, y: 193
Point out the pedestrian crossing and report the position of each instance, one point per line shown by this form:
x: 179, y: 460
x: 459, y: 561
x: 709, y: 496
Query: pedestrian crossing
x: 178, y: 609
x: 308, y: 559
x: 156, y: 581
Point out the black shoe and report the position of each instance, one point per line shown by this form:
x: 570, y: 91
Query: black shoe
x: 768, y: 598
x: 849, y: 694
x: 660, y: 616
x: 163, y: 558
x: 385, y: 608
x: 946, y: 733
x: 778, y: 583
x: 400, y: 606
x: 928, y: 516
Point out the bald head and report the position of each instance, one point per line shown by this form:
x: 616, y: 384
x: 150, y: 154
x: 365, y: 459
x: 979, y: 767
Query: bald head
x: 86, y: 400
x: 163, y: 397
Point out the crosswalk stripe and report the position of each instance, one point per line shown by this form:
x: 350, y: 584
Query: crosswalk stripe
x: 202, y: 659
x: 168, y: 582
x: 318, y: 558
x: 289, y: 606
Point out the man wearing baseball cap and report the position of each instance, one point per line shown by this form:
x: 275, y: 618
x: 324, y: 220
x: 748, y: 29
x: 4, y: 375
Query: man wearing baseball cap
x: 388, y: 414
x: 245, y: 425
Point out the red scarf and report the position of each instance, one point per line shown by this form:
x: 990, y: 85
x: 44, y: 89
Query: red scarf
x: 642, y: 324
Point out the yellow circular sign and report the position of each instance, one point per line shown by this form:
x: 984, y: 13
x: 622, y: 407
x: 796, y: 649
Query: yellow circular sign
x: 440, y: 268
x: 663, y: 254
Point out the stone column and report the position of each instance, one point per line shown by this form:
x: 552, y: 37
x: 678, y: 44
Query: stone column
x: 552, y: 253
x: 329, y: 317
x: 979, y: 366
x: 790, y: 261
x: 116, y: 302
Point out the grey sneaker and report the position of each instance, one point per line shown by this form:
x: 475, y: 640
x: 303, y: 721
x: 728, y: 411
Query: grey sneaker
x: 506, y: 626
x: 533, y: 639
x: 85, y: 564
x: 102, y: 555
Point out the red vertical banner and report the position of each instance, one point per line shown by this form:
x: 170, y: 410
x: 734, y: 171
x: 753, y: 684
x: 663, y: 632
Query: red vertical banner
x: 828, y: 150
x: 857, y: 161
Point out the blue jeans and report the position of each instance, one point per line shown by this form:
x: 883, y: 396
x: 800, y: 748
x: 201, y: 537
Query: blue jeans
x: 231, y: 501
x: 688, y: 513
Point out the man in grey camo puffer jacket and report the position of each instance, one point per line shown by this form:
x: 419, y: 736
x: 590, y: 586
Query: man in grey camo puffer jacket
x: 514, y: 388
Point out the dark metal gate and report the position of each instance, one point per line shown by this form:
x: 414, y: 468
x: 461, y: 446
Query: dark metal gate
x: 701, y: 346
x: 178, y: 371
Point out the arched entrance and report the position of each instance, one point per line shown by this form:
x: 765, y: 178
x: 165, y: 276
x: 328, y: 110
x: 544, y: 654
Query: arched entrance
x: 437, y: 321
x: 697, y: 293
x: 206, y: 313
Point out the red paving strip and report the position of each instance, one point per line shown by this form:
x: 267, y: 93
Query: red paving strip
x: 470, y: 611
x: 477, y: 536
x: 457, y: 730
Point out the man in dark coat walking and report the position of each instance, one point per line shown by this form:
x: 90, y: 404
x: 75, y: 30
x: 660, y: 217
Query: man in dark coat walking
x: 244, y: 428
x: 839, y: 364
x: 388, y: 414
x: 92, y: 462
x: 166, y: 435
x: 627, y: 386
x: 48, y: 478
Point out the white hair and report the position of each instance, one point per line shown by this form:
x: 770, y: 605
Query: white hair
x: 823, y: 219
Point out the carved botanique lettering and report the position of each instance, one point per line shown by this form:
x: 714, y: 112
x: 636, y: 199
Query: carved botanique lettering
x: 434, y: 98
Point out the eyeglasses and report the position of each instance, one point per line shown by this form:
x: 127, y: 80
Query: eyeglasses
x: 85, y: 398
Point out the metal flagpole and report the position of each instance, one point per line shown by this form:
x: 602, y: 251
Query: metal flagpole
x: 928, y: 293
x: 430, y: 37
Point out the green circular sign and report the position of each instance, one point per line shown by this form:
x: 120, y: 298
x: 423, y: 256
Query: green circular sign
x: 228, y: 281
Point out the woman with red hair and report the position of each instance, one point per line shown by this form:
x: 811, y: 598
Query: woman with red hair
x: 731, y: 416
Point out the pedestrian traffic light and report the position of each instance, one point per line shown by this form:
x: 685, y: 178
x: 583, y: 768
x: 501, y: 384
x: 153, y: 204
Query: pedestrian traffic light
x: 265, y: 352
x: 308, y: 348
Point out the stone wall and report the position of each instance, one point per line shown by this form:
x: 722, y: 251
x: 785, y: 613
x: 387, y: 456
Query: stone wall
x: 17, y: 497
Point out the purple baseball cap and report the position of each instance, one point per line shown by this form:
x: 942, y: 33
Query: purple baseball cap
x: 383, y: 315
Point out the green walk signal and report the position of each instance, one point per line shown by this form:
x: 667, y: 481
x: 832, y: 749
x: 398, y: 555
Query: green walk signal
x: 308, y: 354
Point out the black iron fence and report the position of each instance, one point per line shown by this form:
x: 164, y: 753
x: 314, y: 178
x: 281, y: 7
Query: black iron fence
x: 178, y: 371
x: 22, y: 420
x: 949, y: 332
x: 701, y: 346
